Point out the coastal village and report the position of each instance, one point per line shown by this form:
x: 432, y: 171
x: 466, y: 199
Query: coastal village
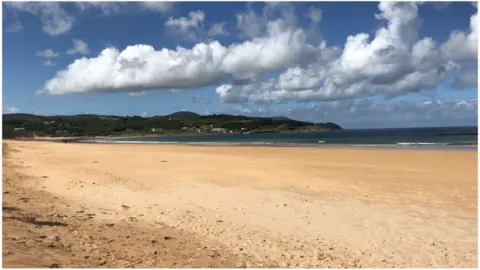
x: 25, y: 125
x: 205, y: 129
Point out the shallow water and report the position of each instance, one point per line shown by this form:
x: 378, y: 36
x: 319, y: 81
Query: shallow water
x: 426, y: 138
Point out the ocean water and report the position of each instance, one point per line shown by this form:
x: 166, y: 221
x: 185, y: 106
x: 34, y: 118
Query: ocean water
x: 402, y: 138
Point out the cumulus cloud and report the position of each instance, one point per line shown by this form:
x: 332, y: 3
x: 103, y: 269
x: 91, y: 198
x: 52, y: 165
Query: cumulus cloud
x: 79, y: 46
x: 55, y: 20
x: 48, y: 53
x: 218, y: 29
x: 462, y: 46
x: 243, y: 110
x: 15, y: 27
x: 249, y: 24
x: 466, y: 81
x: 392, y: 62
x: 114, y: 8
x: 9, y: 109
x: 314, y: 14
x: 49, y: 63
x: 157, y: 6
x: 186, y: 27
x: 106, y: 8
x: 138, y: 67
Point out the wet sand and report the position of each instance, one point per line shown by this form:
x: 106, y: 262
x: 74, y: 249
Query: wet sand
x: 197, y: 206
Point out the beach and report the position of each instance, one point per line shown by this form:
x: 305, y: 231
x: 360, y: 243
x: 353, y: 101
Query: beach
x: 121, y: 205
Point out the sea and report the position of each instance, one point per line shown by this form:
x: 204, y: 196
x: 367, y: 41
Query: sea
x: 425, y: 138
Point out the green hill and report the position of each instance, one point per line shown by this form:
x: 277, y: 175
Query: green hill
x: 183, y: 115
x: 17, y: 125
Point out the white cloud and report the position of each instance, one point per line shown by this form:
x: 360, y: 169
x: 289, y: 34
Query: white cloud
x: 228, y: 94
x: 466, y: 81
x: 9, y: 109
x: 138, y: 67
x: 79, y: 47
x: 15, y: 27
x: 186, y: 27
x: 242, y: 109
x: 157, y: 6
x: 55, y: 20
x: 106, y: 8
x: 250, y: 24
x: 138, y: 94
x: 394, y: 62
x: 49, y: 63
x: 462, y: 46
x: 48, y: 53
x: 314, y: 14
x: 113, y: 8
x: 218, y: 29
x: 391, y: 63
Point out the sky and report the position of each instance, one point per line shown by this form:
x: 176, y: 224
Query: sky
x: 358, y: 64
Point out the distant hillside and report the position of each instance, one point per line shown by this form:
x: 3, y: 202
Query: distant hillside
x: 16, y: 125
x: 183, y: 115
x: 281, y: 118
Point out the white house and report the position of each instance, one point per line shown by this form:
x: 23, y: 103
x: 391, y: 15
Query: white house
x: 219, y: 130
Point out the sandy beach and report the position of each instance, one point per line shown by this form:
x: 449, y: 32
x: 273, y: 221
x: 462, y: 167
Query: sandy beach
x: 94, y: 205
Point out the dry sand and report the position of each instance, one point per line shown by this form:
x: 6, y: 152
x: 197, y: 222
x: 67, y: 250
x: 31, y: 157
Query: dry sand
x: 81, y: 205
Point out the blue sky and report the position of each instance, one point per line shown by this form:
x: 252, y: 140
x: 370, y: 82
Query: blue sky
x: 311, y: 61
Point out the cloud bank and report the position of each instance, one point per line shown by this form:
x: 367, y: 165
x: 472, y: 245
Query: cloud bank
x: 392, y: 62
x: 9, y: 109
x: 365, y: 113
x: 56, y: 19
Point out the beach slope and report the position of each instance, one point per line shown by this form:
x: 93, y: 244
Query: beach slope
x: 177, y: 206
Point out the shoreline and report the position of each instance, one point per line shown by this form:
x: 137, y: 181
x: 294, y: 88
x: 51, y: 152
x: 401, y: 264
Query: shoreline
x: 409, y: 139
x: 171, y: 135
x: 398, y: 146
